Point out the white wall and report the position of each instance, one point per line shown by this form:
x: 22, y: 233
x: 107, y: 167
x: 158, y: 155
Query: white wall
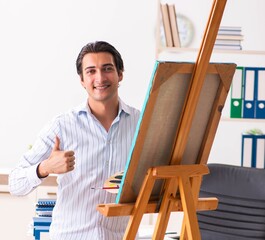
x: 40, y: 41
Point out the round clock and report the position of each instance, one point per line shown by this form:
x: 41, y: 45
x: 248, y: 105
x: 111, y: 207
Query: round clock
x: 185, y: 29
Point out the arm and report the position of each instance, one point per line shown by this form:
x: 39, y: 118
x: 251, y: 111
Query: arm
x: 44, y: 158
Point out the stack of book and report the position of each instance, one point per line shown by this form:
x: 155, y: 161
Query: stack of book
x: 43, y: 218
x: 44, y: 207
x: 229, y: 38
x: 169, y: 19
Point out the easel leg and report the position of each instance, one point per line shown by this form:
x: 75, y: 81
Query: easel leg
x: 165, y: 210
x: 195, y: 186
x: 190, y: 228
x: 140, y: 206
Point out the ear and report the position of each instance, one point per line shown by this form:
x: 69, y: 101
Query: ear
x: 120, y: 76
x: 82, y: 81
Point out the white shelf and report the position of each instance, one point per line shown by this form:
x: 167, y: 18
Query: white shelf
x: 183, y: 50
x: 251, y: 120
x: 240, y: 57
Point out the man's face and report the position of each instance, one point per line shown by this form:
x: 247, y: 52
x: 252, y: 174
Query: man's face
x: 100, y: 76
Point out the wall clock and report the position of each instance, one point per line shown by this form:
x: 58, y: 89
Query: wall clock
x: 186, y: 30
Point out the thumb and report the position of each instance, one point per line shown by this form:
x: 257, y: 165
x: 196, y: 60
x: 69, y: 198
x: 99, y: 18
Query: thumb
x: 56, y: 146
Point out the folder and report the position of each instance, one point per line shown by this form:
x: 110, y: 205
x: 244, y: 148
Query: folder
x: 253, y: 150
x: 260, y: 151
x: 236, y: 93
x: 249, y: 93
x: 260, y: 98
x: 247, y: 149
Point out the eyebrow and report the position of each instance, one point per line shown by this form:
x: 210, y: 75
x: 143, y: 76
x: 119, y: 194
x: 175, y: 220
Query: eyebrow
x: 104, y: 65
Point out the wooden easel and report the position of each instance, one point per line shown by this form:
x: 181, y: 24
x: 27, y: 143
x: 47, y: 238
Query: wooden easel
x: 186, y: 178
x: 181, y: 182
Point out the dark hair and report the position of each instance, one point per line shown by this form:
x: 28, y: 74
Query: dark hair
x: 96, y: 47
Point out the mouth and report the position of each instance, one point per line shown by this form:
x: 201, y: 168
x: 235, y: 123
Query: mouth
x: 101, y: 87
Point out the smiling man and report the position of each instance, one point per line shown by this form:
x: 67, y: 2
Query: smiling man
x: 84, y: 146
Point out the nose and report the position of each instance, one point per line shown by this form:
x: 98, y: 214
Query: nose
x: 100, y: 76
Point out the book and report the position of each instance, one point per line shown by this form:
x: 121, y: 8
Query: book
x: 229, y: 30
x: 227, y: 47
x: 44, y: 207
x: 174, y: 25
x: 228, y: 42
x: 42, y: 221
x: 46, y: 202
x: 44, y: 212
x: 229, y: 37
x: 166, y: 24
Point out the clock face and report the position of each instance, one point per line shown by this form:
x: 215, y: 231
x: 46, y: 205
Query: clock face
x: 186, y: 30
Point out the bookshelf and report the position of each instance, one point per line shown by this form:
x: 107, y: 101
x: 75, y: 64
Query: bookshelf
x: 248, y: 17
x: 227, y: 145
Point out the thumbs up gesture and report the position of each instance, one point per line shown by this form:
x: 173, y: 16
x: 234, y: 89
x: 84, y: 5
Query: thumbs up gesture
x: 58, y: 162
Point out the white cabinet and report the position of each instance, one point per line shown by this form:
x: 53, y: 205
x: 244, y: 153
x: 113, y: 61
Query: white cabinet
x: 16, y: 214
x: 47, y: 192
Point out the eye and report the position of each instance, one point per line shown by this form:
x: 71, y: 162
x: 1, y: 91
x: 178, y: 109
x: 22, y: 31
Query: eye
x: 108, y: 69
x: 90, y: 71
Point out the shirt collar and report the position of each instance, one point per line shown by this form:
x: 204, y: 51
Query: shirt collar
x: 122, y: 108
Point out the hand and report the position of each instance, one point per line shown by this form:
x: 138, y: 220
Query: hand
x: 58, y: 162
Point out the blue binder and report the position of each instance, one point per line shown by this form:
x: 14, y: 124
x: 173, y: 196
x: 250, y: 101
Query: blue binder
x: 249, y: 92
x: 254, y: 92
x: 253, y: 150
x: 237, y: 93
x: 260, y: 101
x: 247, y: 153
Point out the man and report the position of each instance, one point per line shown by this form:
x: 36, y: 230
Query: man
x: 84, y: 146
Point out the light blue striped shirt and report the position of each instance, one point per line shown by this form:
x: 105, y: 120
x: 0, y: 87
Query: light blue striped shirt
x: 99, y: 154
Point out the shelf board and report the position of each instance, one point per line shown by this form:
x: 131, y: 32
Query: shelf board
x: 181, y: 50
x: 228, y: 119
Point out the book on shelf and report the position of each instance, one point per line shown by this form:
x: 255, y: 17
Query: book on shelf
x: 174, y: 25
x: 227, y: 47
x: 229, y: 38
x: 229, y: 30
x: 228, y: 42
x: 166, y: 24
